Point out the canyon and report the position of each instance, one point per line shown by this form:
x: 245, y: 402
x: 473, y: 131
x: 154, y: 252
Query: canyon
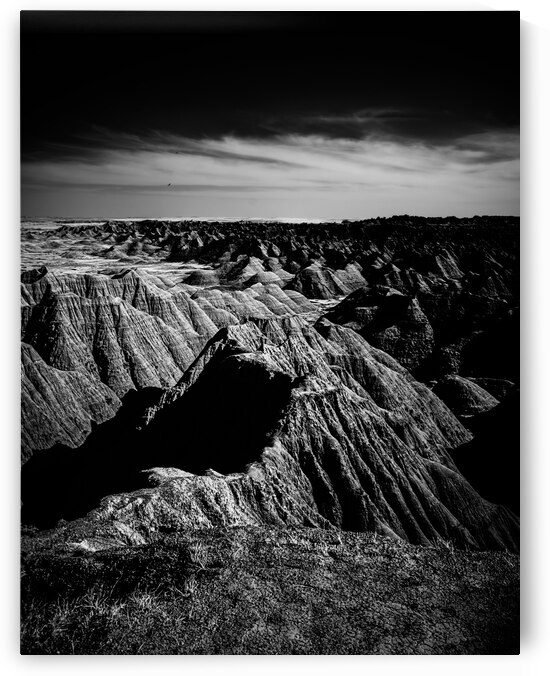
x: 356, y: 377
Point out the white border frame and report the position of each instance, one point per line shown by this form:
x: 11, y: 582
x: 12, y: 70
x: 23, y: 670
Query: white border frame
x: 535, y: 632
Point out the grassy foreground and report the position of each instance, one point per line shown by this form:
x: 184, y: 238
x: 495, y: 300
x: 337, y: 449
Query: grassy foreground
x: 268, y: 591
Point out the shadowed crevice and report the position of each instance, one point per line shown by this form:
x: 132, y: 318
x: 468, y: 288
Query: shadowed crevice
x: 222, y: 422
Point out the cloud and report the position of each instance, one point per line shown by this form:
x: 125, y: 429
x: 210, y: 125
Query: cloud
x: 94, y: 145
x: 353, y: 125
x: 489, y: 147
x: 477, y: 168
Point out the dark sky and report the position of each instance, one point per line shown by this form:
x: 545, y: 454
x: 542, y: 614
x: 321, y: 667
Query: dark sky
x: 271, y: 114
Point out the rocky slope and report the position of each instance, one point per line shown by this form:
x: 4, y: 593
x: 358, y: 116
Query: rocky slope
x: 293, y: 424
x: 441, y: 296
x: 464, y: 397
x: 234, y: 431
x: 121, y: 332
x: 431, y: 292
x: 269, y: 366
x: 59, y: 405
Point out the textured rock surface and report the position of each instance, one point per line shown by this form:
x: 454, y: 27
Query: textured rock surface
x: 246, y: 429
x: 363, y: 452
x: 459, y: 277
x: 463, y: 396
x: 59, y: 406
x: 315, y: 281
x: 126, y: 331
x: 276, y: 414
x: 499, y: 388
x: 390, y: 321
x: 270, y: 591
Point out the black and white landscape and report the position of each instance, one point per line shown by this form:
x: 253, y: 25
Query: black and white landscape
x: 261, y: 414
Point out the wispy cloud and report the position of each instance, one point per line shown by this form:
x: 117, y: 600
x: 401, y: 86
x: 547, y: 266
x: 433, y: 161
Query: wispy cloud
x: 480, y: 168
x: 373, y: 121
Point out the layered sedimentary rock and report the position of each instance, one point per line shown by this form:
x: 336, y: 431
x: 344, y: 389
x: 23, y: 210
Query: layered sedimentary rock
x: 458, y: 279
x: 289, y: 440
x: 419, y: 256
x: 126, y: 331
x: 266, y: 374
x: 389, y: 320
x: 59, y: 405
x: 318, y: 281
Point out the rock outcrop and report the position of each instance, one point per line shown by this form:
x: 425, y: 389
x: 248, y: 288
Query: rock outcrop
x: 273, y: 374
x: 124, y: 331
x: 463, y: 396
x: 59, y: 405
x: 390, y: 321
x: 291, y: 441
x: 440, y: 295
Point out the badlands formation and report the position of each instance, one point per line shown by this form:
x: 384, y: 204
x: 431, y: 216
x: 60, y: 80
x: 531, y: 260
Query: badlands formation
x: 200, y: 377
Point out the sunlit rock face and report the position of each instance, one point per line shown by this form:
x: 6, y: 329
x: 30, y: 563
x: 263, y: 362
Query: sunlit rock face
x: 59, y: 405
x: 440, y: 295
x: 181, y: 375
x: 267, y: 430
x: 122, y: 332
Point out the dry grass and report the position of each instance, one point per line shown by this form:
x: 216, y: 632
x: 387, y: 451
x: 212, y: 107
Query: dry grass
x: 250, y: 591
x: 120, y: 612
x: 95, y: 623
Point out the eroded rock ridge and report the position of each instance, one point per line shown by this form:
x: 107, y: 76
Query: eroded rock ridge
x: 203, y: 375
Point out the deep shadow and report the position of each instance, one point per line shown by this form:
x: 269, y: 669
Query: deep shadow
x: 222, y: 422
x: 490, y: 461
